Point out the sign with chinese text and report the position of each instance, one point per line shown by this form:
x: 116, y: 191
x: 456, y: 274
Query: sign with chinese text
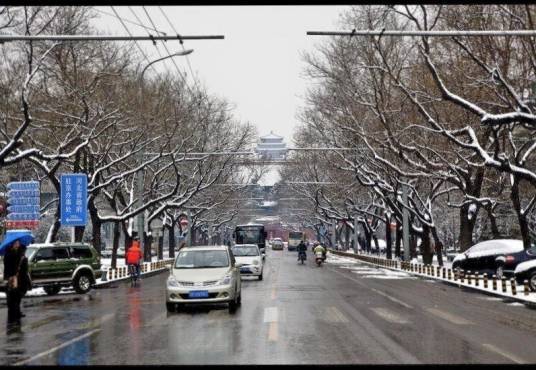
x: 73, y: 200
x: 24, y: 198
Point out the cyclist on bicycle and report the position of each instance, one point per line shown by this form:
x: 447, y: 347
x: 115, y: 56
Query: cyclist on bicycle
x: 134, y: 256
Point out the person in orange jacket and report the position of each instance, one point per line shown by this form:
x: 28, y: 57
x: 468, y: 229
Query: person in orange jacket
x: 134, y: 255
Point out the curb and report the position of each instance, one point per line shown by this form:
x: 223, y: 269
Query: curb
x: 465, y: 287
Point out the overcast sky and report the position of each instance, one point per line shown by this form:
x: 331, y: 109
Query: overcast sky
x: 257, y: 67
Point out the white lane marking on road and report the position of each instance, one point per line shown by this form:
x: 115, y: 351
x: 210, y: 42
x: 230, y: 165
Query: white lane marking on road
x: 391, y: 298
x: 388, y: 315
x: 332, y: 314
x: 270, y: 314
x: 375, y: 290
x: 273, y: 332
x: 508, y: 355
x: 449, y: 316
x: 54, y: 349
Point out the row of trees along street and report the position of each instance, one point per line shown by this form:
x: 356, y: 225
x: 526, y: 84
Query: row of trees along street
x: 76, y: 107
x: 451, y: 118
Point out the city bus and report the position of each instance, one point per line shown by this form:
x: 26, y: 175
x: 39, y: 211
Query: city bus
x: 294, y: 238
x: 251, y: 234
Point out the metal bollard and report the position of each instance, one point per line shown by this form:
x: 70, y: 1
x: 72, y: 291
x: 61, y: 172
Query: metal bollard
x: 444, y: 273
x: 469, y: 277
x: 526, y: 287
x: 513, y: 286
x: 449, y: 274
x: 503, y: 284
x: 462, y: 277
x: 477, y: 279
x: 486, y: 281
x: 494, y: 282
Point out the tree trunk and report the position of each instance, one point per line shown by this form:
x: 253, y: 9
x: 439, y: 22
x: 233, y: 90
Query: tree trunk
x: 128, y: 238
x: 347, y: 237
x: 161, y: 246
x: 438, y: 247
x: 115, y: 245
x: 368, y: 238
x: 79, y: 233
x: 375, y: 238
x: 493, y: 223
x: 466, y: 229
x: 388, y: 242
x: 398, y: 238
x: 426, y: 248
x: 171, y: 241
x: 55, y: 227
x: 148, y: 241
x: 413, y: 246
x: 96, y: 227
x: 521, y: 217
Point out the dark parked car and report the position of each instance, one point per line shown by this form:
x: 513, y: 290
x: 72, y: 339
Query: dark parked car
x: 489, y: 257
x: 56, y: 265
x: 524, y: 266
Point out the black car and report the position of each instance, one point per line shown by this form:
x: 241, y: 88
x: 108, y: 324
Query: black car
x: 489, y: 257
x: 524, y: 265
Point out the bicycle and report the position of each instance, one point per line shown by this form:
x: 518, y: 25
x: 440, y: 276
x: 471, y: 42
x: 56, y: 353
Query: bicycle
x: 133, y: 273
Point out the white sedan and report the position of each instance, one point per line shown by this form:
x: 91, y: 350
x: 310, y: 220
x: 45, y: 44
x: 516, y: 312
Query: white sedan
x: 250, y: 257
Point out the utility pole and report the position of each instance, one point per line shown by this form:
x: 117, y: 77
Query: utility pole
x: 140, y: 185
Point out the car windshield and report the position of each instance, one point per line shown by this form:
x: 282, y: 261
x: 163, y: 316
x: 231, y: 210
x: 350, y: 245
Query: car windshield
x: 29, y: 252
x: 245, y: 251
x: 202, y: 259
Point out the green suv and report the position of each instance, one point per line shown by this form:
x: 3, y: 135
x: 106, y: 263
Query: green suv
x: 56, y: 265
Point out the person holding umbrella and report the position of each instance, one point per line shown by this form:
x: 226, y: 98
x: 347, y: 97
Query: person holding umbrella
x: 16, y: 271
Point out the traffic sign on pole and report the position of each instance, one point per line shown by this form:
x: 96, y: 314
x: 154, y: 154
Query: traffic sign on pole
x: 23, y: 205
x: 73, y: 200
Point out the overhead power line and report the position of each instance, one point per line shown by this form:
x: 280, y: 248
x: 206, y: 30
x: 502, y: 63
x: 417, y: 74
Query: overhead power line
x: 175, y: 30
x: 181, y: 75
x: 444, y: 33
x: 129, y: 21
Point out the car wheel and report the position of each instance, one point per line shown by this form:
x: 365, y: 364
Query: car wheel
x: 239, y: 300
x: 52, y: 290
x: 532, y: 280
x: 82, y: 283
x: 260, y: 276
x: 170, y: 306
x: 499, y: 271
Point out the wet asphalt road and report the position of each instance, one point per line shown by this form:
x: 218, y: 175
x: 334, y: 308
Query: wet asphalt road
x: 341, y: 313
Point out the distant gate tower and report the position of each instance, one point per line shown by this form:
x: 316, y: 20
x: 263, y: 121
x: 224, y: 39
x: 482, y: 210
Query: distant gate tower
x: 272, y: 147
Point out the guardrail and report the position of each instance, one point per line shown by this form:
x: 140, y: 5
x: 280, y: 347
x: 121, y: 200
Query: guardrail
x: 146, y: 267
x: 508, y: 288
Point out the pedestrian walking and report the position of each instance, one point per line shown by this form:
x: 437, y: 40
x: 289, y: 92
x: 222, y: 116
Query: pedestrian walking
x: 16, y: 272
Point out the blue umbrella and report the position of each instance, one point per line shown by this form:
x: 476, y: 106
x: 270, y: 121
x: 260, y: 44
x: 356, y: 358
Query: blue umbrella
x: 25, y: 237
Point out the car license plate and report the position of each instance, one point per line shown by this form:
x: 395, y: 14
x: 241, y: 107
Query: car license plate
x: 244, y: 269
x: 198, y: 294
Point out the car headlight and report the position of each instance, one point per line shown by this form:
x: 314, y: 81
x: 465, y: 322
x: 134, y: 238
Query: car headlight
x: 255, y: 262
x: 171, y: 281
x: 225, y: 280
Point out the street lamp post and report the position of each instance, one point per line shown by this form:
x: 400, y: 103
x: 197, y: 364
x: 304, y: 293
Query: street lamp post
x: 141, y: 218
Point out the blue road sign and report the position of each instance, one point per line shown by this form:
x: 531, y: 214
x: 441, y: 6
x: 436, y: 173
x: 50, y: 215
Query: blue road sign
x: 73, y: 200
x: 23, y: 198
